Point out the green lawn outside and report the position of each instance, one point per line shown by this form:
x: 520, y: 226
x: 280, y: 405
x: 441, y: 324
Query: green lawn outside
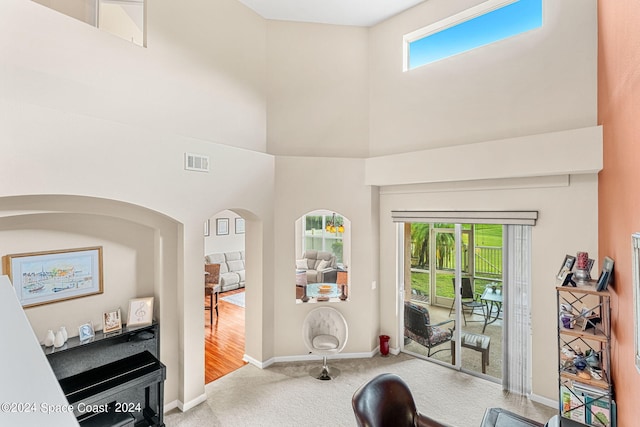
x: 444, y: 284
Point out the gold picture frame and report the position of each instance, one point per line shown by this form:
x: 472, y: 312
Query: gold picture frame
x: 52, y: 276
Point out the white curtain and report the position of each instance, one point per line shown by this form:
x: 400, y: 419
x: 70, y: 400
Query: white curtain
x: 516, y: 367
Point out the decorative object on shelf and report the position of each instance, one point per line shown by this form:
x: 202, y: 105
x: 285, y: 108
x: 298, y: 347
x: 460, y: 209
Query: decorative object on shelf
x: 49, y: 338
x: 581, y: 274
x: 140, y: 312
x: 111, y: 321
x: 85, y: 332
x: 65, y: 334
x: 566, y: 267
x: 58, y: 340
x: 606, y: 275
x: 567, y: 279
x: 50, y: 276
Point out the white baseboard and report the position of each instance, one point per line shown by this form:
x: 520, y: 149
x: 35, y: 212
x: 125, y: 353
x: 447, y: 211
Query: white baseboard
x: 258, y: 363
x: 171, y: 405
x: 310, y: 357
x: 544, y: 400
x: 184, y: 407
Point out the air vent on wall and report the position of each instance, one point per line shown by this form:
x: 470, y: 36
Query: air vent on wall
x: 196, y: 162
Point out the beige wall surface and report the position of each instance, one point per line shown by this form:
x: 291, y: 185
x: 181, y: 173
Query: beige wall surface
x: 318, y: 90
x: 223, y: 243
x: 536, y: 82
x: 207, y: 84
x: 94, y: 127
x: 303, y: 186
x: 560, y: 230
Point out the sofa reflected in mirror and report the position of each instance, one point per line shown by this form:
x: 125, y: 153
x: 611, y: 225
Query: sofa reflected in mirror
x: 322, y: 253
x: 319, y: 266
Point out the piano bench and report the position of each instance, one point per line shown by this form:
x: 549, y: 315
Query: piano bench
x: 109, y: 419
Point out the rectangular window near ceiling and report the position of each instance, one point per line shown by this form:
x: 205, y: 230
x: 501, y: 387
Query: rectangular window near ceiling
x: 478, y: 26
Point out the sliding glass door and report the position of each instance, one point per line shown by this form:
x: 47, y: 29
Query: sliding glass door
x: 455, y: 280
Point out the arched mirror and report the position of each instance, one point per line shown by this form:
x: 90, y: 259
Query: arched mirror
x: 323, y: 252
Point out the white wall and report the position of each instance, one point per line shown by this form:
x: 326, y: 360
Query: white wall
x: 92, y: 125
x: 318, y: 90
x: 561, y: 229
x: 24, y: 367
x: 223, y: 243
x: 106, y: 123
x: 301, y: 187
x: 537, y: 82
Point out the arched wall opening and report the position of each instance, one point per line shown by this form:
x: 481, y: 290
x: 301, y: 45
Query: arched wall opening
x: 140, y: 258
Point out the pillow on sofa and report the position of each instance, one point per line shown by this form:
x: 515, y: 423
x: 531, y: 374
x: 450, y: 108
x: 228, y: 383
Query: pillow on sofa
x: 301, y: 264
x: 323, y: 264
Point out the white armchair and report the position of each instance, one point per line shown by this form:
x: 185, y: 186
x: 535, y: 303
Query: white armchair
x: 325, y: 333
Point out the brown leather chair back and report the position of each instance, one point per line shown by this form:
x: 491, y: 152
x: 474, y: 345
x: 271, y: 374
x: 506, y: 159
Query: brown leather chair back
x: 386, y: 401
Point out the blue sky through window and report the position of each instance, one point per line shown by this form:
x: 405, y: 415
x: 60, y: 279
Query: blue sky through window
x: 507, y: 21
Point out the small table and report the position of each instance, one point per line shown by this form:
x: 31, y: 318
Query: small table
x: 313, y: 291
x: 491, y: 298
x: 211, y: 290
x: 475, y: 342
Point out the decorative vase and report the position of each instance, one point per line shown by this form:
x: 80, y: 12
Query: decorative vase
x: 384, y: 345
x: 343, y: 294
x: 64, y: 333
x: 59, y: 339
x: 49, y: 338
x: 581, y: 276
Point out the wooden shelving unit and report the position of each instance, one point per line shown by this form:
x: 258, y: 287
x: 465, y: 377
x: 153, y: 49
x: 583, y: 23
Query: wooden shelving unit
x: 585, y: 395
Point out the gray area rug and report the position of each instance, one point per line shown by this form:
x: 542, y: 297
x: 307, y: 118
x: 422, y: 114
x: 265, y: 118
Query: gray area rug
x: 285, y: 395
x: 237, y: 299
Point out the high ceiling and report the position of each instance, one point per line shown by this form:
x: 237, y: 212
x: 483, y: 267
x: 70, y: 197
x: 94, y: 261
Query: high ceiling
x: 340, y: 12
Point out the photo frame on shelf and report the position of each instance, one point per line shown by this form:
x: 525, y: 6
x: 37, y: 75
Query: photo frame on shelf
x: 567, y: 266
x: 606, y: 274
x: 222, y: 226
x: 567, y: 279
x: 239, y: 225
x: 111, y: 321
x: 85, y: 332
x: 50, y: 276
x: 140, y: 312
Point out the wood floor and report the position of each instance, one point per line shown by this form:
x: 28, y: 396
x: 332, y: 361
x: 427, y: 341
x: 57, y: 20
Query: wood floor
x: 224, y: 340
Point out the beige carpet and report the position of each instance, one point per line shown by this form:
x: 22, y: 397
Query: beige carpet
x: 285, y: 395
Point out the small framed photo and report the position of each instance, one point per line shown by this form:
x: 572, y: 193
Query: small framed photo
x: 567, y: 265
x: 239, y: 225
x: 567, y: 279
x: 605, y: 275
x: 222, y: 226
x: 85, y: 332
x: 207, y: 230
x: 111, y: 321
x: 140, y: 312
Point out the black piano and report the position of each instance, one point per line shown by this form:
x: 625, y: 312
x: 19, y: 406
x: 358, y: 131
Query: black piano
x: 115, y: 379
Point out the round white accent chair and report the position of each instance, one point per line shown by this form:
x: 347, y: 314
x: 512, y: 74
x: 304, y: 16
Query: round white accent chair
x: 325, y: 333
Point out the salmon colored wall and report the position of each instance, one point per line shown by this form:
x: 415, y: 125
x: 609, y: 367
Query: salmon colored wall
x: 619, y: 182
